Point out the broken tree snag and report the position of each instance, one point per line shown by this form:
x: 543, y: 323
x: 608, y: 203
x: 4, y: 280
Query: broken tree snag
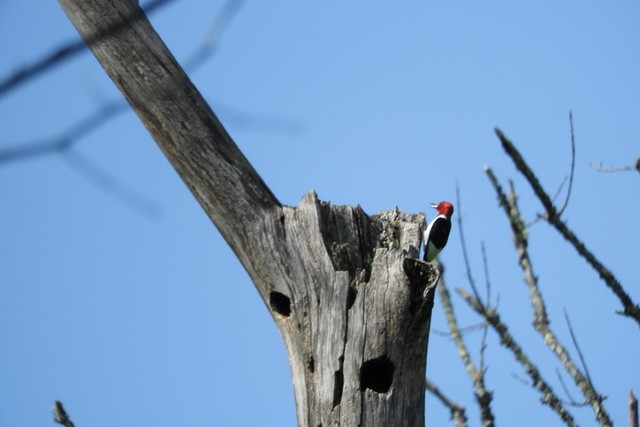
x: 360, y: 310
x: 346, y: 290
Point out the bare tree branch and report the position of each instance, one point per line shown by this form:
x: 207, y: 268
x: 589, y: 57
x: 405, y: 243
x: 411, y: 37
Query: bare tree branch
x: 573, y: 166
x: 600, y: 168
x: 111, y: 109
x: 99, y: 177
x: 62, y: 143
x: 487, y: 280
x: 506, y: 339
x: 464, y: 330
x: 60, y: 416
x: 567, y: 178
x: 463, y: 244
x: 541, y: 320
x: 209, y: 45
x: 482, y: 395
x: 67, y: 138
x: 483, y: 342
x: 56, y: 57
x: 583, y: 361
x: 470, y: 279
x: 63, y: 146
x: 633, y: 410
x: 552, y: 216
x: 458, y: 412
x: 570, y: 398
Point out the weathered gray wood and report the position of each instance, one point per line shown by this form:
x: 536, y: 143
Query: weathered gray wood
x: 346, y: 290
x: 359, y: 314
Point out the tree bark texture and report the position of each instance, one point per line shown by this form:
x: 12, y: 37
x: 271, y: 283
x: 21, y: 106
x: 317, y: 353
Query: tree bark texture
x: 347, y: 292
x: 354, y: 308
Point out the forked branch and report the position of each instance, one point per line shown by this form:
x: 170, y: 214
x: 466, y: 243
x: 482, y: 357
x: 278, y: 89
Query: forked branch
x: 541, y: 321
x: 548, y: 396
x: 552, y: 216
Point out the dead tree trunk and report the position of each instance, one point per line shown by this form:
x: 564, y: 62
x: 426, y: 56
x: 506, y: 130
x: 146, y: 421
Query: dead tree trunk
x: 346, y: 291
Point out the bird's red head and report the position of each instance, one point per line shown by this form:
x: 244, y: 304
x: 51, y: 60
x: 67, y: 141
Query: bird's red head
x: 444, y: 208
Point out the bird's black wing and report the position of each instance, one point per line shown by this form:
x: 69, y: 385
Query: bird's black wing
x: 440, y: 232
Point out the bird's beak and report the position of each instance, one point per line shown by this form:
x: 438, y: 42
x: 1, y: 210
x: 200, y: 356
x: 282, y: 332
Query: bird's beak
x: 433, y: 205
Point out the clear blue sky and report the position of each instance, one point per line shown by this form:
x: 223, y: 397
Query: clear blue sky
x: 120, y: 298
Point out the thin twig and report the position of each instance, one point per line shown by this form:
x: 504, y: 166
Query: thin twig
x: 211, y: 40
x: 573, y: 166
x: 633, y: 410
x: 464, y: 331
x: 541, y: 321
x: 564, y: 386
x: 559, y: 190
x: 631, y: 309
x: 105, y: 182
x: 601, y: 168
x: 485, y: 333
x: 576, y: 345
x: 458, y: 412
x: 483, y: 346
x: 470, y: 278
x: 521, y: 380
x: 60, y: 416
x: 570, y: 178
x: 571, y: 400
x: 548, y: 396
x: 463, y: 244
x: 63, y: 145
x: 482, y: 395
x: 68, y: 137
x: 487, y: 280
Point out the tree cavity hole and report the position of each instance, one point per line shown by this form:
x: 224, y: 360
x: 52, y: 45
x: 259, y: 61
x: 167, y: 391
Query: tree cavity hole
x: 280, y: 303
x: 377, y: 375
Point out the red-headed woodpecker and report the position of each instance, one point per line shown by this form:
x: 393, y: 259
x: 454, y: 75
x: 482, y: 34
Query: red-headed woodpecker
x: 437, y: 233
